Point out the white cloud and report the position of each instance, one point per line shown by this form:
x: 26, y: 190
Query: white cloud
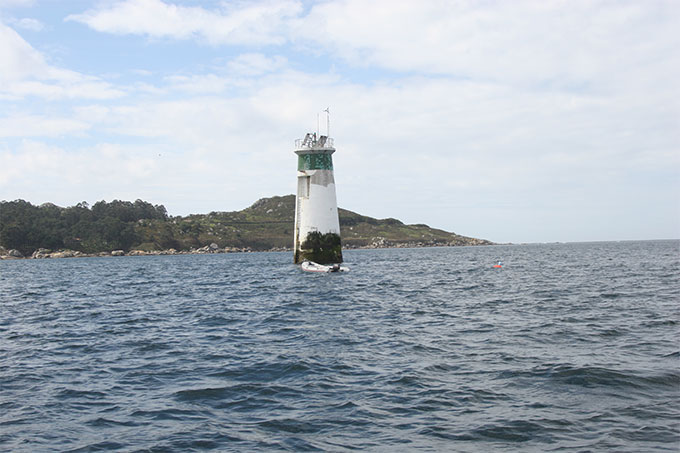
x: 19, y: 59
x: 91, y: 113
x: 238, y: 74
x: 255, y: 64
x: 563, y: 44
x: 28, y: 23
x: 470, y: 143
x: 15, y: 3
x: 41, y: 172
x: 26, y: 73
x: 238, y: 23
x: 582, y: 44
x: 199, y: 84
x: 39, y: 126
x: 85, y: 87
x: 142, y: 72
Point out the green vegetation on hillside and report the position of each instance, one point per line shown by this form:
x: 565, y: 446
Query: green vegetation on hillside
x: 104, y: 226
x: 123, y: 225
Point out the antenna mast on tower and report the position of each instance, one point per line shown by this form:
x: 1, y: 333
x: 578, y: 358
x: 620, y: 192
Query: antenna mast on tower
x: 328, y: 121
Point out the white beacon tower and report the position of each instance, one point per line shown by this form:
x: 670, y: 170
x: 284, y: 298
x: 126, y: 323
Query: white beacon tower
x: 317, y: 227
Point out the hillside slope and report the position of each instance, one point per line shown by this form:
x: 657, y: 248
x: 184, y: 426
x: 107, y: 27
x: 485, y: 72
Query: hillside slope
x: 122, y: 225
x: 269, y: 223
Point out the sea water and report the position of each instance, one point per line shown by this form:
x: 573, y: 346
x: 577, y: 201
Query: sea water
x: 568, y: 347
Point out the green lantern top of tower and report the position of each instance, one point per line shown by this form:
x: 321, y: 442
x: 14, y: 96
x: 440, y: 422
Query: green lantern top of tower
x: 314, y: 153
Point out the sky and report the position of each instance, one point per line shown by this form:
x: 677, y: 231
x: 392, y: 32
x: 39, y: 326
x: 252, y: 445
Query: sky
x: 513, y: 121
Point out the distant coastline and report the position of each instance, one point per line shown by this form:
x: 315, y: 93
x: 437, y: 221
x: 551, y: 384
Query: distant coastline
x: 207, y: 250
x: 214, y: 249
x: 120, y: 228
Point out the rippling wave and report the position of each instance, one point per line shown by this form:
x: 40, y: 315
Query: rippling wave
x: 567, y: 348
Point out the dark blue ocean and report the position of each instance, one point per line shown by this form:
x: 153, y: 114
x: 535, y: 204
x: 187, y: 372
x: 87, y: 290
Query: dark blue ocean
x: 569, y: 347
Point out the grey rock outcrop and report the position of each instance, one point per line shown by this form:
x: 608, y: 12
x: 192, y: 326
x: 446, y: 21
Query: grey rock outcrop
x: 65, y: 254
x: 41, y: 254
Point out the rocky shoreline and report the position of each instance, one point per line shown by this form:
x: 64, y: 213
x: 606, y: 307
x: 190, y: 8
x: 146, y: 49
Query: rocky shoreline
x: 213, y: 248
x: 50, y: 254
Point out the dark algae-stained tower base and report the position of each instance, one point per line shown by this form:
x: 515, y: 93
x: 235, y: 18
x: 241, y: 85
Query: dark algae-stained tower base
x: 317, y: 227
x: 321, y: 248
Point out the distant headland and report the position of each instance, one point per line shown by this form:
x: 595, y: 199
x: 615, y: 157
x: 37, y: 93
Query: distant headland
x: 140, y: 228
